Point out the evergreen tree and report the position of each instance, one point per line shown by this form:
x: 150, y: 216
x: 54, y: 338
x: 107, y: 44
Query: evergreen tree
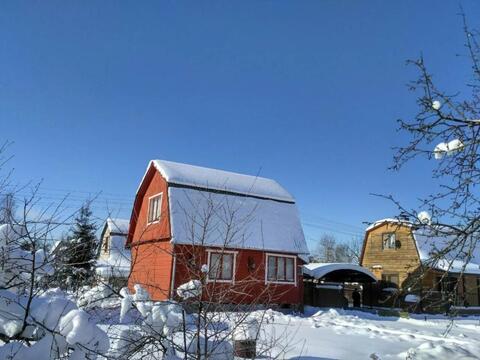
x: 76, y: 254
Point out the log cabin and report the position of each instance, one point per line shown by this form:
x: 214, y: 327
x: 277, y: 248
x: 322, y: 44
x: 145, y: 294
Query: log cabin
x: 240, y: 233
x: 407, y: 258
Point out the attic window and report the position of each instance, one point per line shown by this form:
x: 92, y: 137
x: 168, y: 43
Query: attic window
x: 389, y: 241
x: 154, y: 208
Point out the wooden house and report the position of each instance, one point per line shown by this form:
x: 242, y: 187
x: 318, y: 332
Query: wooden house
x: 241, y: 233
x: 407, y: 258
x: 113, y: 262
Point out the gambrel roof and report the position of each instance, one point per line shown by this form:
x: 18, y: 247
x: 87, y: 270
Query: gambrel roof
x: 242, y: 211
x: 431, y: 241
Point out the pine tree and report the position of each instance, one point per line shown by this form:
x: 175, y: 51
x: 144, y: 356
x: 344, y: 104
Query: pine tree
x: 76, y: 254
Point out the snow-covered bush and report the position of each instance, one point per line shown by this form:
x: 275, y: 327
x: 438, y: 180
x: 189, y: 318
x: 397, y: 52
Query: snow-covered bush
x: 53, y: 325
x: 35, y: 323
x: 18, y: 264
x: 161, y: 319
x: 191, y: 289
x: 101, y: 296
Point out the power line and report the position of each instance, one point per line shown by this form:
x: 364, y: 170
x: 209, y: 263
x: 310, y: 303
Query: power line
x: 323, y: 227
x: 70, y: 191
x: 321, y: 219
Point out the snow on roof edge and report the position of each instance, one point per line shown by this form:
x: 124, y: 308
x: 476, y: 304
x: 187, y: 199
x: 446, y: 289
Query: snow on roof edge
x: 425, y: 242
x: 319, y: 270
x: 118, y: 225
x: 199, y: 176
x: 388, y: 220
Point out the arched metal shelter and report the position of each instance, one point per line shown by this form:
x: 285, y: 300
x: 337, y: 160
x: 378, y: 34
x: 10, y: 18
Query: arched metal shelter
x: 338, y: 272
x: 331, y: 284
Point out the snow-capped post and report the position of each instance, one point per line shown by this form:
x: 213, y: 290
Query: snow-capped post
x: 245, y: 339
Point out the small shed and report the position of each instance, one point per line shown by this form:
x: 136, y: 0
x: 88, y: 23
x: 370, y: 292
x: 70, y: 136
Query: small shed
x: 332, y: 284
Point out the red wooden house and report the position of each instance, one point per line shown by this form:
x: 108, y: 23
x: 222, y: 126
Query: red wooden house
x: 238, y: 231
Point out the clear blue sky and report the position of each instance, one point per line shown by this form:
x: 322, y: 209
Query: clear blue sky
x: 305, y: 92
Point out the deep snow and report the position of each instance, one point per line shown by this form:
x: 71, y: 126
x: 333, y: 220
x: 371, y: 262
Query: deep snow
x: 347, y: 334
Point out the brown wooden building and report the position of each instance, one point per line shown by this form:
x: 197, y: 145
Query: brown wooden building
x: 241, y: 232
x: 405, y: 258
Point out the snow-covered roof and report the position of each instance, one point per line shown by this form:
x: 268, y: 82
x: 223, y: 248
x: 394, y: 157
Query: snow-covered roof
x: 430, y: 242
x: 234, y: 221
x: 319, y: 270
x: 399, y: 222
x: 118, y: 226
x: 118, y: 261
x: 213, y: 179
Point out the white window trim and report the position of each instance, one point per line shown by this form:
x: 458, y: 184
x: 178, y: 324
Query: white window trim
x: 209, y: 252
x: 294, y: 282
x: 160, y: 194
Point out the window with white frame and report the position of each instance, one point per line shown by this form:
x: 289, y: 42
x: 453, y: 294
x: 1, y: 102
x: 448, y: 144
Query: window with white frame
x: 154, y: 208
x: 280, y: 269
x: 221, y: 266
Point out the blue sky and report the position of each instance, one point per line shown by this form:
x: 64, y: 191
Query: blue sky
x: 305, y: 92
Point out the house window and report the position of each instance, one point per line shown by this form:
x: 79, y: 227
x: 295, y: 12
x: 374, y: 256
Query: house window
x: 154, y: 208
x: 106, y: 241
x: 390, y: 279
x: 221, y: 266
x: 280, y: 269
x: 389, y: 241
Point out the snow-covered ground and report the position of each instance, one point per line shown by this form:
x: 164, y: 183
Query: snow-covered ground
x: 339, y: 334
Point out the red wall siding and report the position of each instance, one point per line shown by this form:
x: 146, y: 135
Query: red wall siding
x: 151, y: 268
x: 153, y: 184
x: 249, y: 286
x: 151, y: 248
